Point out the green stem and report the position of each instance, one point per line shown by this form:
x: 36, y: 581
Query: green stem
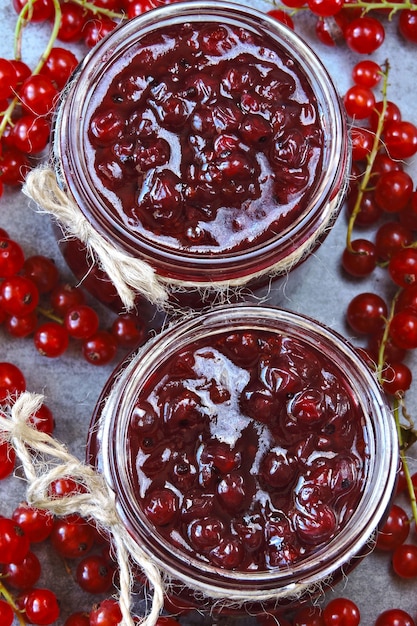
x: 9, y: 599
x: 49, y: 315
x: 370, y: 159
x: 407, y: 473
x: 381, y: 351
x: 21, y: 24
x: 92, y: 8
x: 366, y: 7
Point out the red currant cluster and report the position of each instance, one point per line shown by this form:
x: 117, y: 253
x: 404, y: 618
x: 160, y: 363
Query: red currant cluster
x: 72, y: 538
x: 382, y: 195
x: 35, y: 302
x: 356, y: 23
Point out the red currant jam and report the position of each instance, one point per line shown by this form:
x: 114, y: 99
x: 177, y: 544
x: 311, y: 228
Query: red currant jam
x: 249, y: 450
x: 252, y: 455
x: 208, y: 140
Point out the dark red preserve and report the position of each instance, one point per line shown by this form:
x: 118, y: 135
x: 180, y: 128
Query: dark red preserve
x: 252, y: 454
x: 208, y: 141
x: 248, y: 450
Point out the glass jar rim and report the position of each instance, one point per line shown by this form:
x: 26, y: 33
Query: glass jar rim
x: 74, y: 175
x: 379, y: 427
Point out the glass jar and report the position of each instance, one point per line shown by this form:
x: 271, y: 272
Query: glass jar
x: 207, y: 140
x: 245, y: 513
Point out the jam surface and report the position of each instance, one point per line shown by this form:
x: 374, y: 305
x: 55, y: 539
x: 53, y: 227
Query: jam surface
x: 207, y: 140
x: 248, y: 449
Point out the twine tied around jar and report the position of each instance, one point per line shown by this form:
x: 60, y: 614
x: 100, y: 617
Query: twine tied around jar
x: 44, y: 459
x: 132, y: 276
x: 129, y: 275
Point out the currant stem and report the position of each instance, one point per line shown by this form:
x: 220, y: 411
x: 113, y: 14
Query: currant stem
x: 363, y: 186
x: 407, y: 473
x: 10, y: 601
x: 92, y: 8
x: 22, y: 23
x: 381, y: 351
x: 49, y: 315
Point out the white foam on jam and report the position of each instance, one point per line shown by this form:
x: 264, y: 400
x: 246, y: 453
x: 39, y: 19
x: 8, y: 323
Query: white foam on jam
x: 226, y: 420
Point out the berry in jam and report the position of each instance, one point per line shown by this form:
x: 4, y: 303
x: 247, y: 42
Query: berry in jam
x: 249, y: 450
x: 207, y: 140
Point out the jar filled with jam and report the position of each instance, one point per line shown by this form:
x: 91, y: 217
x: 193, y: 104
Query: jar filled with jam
x: 252, y: 455
x: 206, y: 140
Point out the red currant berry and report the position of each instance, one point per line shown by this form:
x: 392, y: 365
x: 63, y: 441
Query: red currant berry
x: 14, y: 543
x: 359, y: 102
x: 364, y: 34
x: 42, y: 271
x: 36, y: 523
x: 22, y: 325
x: 367, y: 73
x: 12, y: 257
x: 360, y: 260
x: 23, y: 575
x: 43, y: 420
x: 403, y: 267
x: 325, y: 8
x: 394, y: 530
x: 94, y: 574
x: 392, y: 353
x: 369, y: 212
x: 362, y: 140
x: 394, y: 617
x: 8, y: 78
x: 41, y: 607
x: 19, y: 295
x: 59, y: 66
x: 64, y: 297
x: 6, y: 613
x: 108, y: 613
x: 341, y: 612
x: 400, y: 139
x: 128, y: 330
x: 96, y: 29
x: 23, y: 71
x: 72, y: 537
x: 100, y: 348
x: 73, y: 17
x: 38, y: 95
x: 397, y: 378
x: 38, y: 11
x: 283, y: 17
x: 14, y: 165
x: 407, y: 25
x: 78, y: 619
x: 390, y: 238
x: 366, y: 313
x: 403, y: 329
x: 30, y: 134
x: 7, y: 459
x: 407, y: 299
x: 392, y: 113
x: 393, y: 191
x: 51, y: 339
x: 404, y: 560
x: 81, y: 321
x: 12, y: 380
